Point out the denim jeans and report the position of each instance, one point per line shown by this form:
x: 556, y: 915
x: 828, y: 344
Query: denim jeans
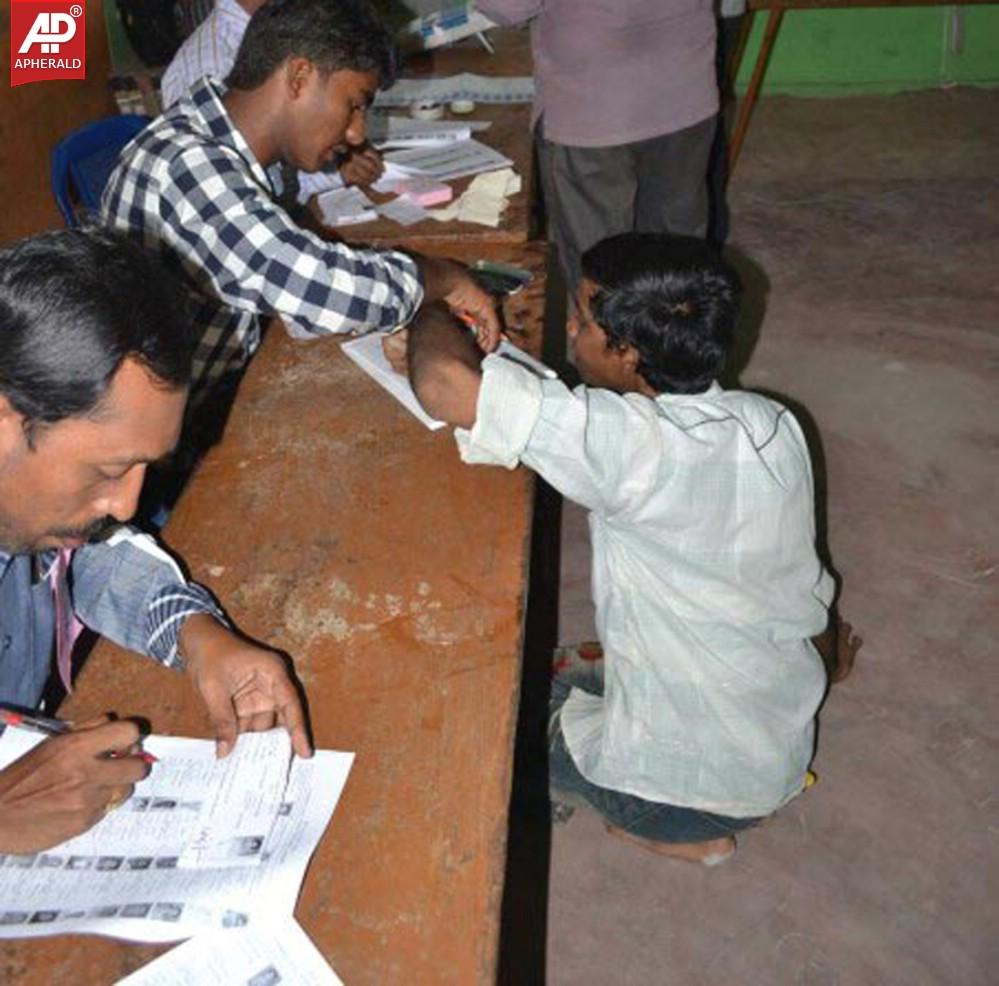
x: 646, y: 819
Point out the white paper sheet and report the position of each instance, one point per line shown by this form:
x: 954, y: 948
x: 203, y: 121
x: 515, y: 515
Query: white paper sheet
x: 448, y: 161
x: 400, y: 131
x: 483, y: 201
x: 280, y: 953
x: 402, y: 211
x: 367, y: 353
x: 345, y: 207
x: 123, y: 878
x: 478, y: 88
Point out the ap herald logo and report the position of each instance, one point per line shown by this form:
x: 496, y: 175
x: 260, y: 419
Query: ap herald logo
x: 48, y: 40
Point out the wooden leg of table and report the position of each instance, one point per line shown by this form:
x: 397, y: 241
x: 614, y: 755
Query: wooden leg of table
x: 755, y: 83
x: 735, y: 62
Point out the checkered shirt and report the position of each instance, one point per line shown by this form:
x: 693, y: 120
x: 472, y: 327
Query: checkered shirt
x: 190, y: 188
x: 211, y: 50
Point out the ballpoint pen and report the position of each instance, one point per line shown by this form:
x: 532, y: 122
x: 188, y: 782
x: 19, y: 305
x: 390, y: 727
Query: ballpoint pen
x: 12, y: 716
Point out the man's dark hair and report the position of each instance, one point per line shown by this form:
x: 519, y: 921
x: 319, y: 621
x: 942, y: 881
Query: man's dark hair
x: 332, y: 34
x: 74, y: 304
x: 672, y: 298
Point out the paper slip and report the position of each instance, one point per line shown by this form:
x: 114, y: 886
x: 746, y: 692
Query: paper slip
x: 393, y: 175
x: 402, y: 211
x: 242, y: 804
x: 281, y: 953
x: 367, y: 353
x: 466, y: 157
x: 478, y: 88
x: 400, y: 131
x: 345, y: 207
x: 483, y: 201
x: 124, y: 877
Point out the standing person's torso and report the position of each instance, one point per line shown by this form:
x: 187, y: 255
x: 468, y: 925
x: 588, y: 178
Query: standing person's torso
x: 613, y: 72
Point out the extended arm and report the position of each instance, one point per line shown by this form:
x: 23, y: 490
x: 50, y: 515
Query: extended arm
x: 131, y: 591
x: 244, y: 249
x: 444, y: 366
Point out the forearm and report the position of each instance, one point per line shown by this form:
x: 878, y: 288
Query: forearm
x: 130, y: 590
x: 444, y: 366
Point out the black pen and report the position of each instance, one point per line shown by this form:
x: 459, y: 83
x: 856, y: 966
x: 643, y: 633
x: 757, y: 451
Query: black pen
x: 13, y: 716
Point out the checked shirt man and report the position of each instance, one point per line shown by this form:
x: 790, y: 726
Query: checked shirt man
x: 194, y: 186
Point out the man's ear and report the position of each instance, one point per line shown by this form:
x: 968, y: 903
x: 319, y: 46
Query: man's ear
x: 12, y: 431
x: 298, y: 72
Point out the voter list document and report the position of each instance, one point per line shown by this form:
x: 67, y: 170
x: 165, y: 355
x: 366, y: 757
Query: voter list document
x: 202, y: 844
x: 278, y: 953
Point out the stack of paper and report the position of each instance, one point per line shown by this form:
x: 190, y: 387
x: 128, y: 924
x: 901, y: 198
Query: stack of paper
x: 402, y: 131
x: 477, y: 88
x: 279, y: 953
x: 448, y: 161
x: 202, y: 845
x: 483, y: 201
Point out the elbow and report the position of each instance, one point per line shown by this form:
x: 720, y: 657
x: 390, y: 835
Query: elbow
x: 444, y: 391
x: 431, y: 385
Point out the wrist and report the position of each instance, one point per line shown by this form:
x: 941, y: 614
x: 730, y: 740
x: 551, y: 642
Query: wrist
x: 199, y: 635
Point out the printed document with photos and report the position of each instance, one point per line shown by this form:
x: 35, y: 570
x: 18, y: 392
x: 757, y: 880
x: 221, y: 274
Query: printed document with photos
x: 280, y: 952
x: 201, y: 844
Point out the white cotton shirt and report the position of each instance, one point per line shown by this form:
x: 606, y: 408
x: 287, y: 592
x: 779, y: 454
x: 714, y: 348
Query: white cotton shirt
x: 706, y: 582
x: 211, y: 51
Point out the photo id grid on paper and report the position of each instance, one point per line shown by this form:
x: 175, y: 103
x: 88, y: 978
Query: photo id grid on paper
x: 201, y: 844
x: 279, y: 953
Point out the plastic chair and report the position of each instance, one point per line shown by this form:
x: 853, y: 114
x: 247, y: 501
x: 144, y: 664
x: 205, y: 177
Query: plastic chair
x: 83, y: 161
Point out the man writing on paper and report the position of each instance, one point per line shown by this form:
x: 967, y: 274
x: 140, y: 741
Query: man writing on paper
x: 95, y: 363
x: 194, y: 186
x: 211, y: 50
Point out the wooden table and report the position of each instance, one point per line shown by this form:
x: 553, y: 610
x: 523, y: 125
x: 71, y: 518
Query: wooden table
x: 509, y: 133
x: 336, y: 527
x: 774, y: 19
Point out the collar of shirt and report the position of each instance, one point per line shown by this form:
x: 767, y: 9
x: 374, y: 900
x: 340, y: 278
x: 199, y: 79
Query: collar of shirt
x: 207, y: 98
x: 668, y: 398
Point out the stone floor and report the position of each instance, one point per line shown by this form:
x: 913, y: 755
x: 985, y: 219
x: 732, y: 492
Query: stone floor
x: 868, y: 229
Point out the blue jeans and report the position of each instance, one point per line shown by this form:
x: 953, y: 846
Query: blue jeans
x: 646, y: 819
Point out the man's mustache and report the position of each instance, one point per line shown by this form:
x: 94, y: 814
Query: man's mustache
x: 97, y: 530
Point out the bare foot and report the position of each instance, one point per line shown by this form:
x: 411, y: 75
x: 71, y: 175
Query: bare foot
x: 709, y: 853
x: 837, y: 646
x: 847, y: 645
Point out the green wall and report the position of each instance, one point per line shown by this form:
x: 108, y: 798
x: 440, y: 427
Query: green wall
x: 879, y: 49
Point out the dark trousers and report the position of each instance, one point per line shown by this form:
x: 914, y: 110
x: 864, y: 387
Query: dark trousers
x: 652, y: 186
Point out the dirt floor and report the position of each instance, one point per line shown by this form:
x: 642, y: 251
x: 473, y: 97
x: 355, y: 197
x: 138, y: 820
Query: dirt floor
x: 868, y: 230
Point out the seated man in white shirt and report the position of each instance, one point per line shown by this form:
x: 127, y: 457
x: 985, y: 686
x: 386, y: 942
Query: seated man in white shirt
x: 706, y: 580
x: 211, y: 51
